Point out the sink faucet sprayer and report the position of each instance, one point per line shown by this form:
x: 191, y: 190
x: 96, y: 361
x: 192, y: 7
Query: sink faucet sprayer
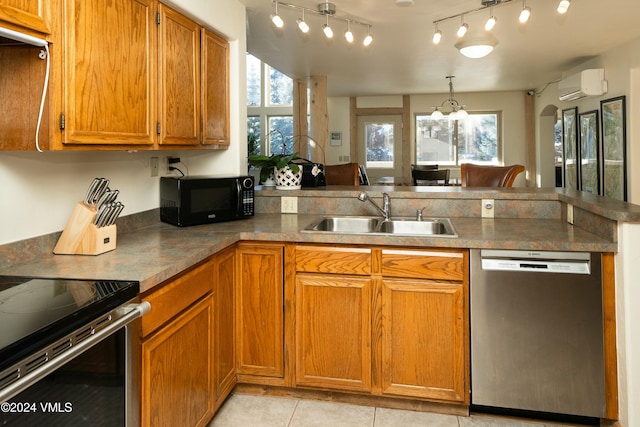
x: 385, y: 210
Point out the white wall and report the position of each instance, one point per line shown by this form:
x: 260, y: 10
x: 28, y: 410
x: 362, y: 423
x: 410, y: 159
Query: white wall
x: 511, y: 104
x: 620, y: 65
x: 38, y: 191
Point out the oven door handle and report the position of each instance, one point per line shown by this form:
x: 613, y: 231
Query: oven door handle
x: 125, y: 315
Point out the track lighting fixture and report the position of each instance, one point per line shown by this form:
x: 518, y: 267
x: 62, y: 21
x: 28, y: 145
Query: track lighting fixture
x: 525, y: 13
x: 481, y: 46
x: 463, y: 27
x: 276, y: 19
x: 563, y: 6
x: 491, y: 22
x: 368, y: 40
x: 326, y: 29
x: 348, y: 35
x: 326, y: 9
x: 437, y: 36
x: 302, y: 24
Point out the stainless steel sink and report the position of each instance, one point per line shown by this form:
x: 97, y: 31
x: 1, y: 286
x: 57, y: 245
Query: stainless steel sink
x: 440, y: 227
x: 346, y: 224
x: 426, y: 227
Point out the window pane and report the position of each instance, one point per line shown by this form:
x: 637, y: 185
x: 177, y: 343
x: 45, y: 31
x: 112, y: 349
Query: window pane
x: 280, y: 135
x: 253, y: 81
x: 379, y: 140
x: 478, y: 139
x: 434, y: 141
x: 253, y: 135
x: 280, y: 88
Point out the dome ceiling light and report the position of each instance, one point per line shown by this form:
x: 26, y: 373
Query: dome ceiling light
x: 476, y: 46
x: 327, y: 10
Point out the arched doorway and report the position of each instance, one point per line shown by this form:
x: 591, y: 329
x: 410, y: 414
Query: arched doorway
x: 550, y: 148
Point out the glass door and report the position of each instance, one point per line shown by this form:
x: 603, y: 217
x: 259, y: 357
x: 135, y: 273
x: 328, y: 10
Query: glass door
x: 380, y: 147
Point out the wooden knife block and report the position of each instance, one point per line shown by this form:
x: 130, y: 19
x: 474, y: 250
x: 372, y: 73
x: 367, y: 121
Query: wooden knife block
x: 81, y: 237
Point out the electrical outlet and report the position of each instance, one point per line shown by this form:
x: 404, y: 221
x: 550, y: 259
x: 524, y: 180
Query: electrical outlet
x: 487, y: 208
x: 154, y: 166
x: 289, y: 204
x: 164, y: 166
x: 570, y: 214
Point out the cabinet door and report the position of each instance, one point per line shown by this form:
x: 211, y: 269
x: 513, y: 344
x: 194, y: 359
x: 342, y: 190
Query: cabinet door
x: 224, y: 325
x: 333, y: 331
x: 215, y: 89
x: 31, y: 14
x: 110, y: 63
x: 179, y: 79
x: 177, y: 386
x: 260, y: 305
x: 423, y: 349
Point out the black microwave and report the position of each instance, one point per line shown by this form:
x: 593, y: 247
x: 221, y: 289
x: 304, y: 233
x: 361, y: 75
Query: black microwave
x: 202, y: 200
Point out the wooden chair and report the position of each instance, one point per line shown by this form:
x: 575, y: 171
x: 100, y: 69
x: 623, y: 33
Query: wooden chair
x: 346, y: 174
x: 424, y: 167
x: 430, y: 177
x: 489, y: 176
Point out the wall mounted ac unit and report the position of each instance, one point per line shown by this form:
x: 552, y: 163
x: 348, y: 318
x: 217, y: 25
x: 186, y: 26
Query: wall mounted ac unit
x: 583, y: 84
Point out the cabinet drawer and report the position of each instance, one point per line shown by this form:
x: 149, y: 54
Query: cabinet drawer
x: 427, y: 264
x: 176, y: 296
x: 328, y: 259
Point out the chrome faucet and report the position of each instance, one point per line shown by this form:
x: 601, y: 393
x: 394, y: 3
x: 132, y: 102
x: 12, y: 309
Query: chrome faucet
x: 385, y: 210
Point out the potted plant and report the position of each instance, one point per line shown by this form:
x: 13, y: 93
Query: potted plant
x: 287, y: 174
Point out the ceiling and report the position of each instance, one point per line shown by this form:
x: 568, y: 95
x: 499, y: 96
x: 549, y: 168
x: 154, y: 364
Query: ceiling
x: 403, y: 60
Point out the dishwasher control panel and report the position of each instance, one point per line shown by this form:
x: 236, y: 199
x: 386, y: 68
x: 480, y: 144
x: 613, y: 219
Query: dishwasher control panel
x: 536, y: 261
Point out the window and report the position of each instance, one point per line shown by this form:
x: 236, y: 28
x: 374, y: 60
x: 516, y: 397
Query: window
x: 475, y: 139
x: 269, y: 109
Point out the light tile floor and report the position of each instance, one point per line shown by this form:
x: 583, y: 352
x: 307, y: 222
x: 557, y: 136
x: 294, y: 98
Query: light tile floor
x: 241, y: 410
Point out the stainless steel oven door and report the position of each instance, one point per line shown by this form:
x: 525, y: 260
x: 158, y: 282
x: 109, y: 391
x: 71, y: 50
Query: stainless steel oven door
x: 95, y: 382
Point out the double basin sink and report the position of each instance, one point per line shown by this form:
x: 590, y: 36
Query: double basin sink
x: 434, y: 227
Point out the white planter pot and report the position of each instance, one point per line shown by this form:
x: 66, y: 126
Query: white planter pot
x: 287, y: 180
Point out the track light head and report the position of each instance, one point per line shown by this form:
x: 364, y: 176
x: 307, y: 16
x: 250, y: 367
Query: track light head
x: 563, y: 6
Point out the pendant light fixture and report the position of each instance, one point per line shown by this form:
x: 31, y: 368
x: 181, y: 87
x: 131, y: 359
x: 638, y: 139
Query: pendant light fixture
x: 457, y: 111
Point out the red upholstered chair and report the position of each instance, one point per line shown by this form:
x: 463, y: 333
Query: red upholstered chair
x: 489, y: 176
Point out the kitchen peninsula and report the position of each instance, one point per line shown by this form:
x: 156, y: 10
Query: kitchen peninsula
x: 158, y: 255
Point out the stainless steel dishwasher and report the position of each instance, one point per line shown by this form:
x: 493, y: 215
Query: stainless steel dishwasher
x: 537, y: 332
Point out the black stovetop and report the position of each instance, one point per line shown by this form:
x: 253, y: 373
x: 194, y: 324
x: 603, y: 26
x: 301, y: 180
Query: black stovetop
x: 35, y: 312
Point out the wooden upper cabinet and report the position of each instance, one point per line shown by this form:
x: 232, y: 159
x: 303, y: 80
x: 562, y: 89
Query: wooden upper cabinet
x: 26, y: 14
x: 215, y: 89
x: 110, y: 54
x: 179, y: 79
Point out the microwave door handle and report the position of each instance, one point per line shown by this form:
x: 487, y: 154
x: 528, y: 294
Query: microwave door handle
x: 239, y: 196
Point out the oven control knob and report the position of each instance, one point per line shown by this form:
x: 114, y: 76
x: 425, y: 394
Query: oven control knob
x: 247, y: 183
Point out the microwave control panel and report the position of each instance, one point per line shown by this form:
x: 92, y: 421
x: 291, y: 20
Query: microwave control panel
x: 247, y: 196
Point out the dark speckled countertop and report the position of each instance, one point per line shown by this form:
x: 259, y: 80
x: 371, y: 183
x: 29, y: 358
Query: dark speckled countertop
x: 158, y: 252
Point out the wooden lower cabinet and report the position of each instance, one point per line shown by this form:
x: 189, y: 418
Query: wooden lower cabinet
x: 176, y: 376
x: 259, y: 310
x: 224, y: 330
x: 423, y: 339
x: 333, y: 331
x: 392, y: 322
x: 187, y: 361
